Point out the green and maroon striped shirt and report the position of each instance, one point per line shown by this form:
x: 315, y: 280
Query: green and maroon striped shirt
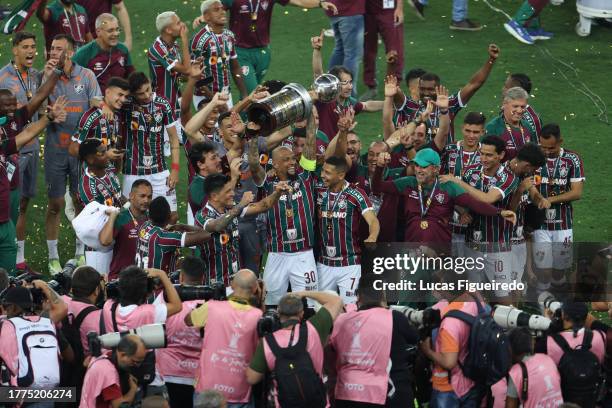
x: 555, y: 178
x: 164, y: 80
x: 158, y: 248
x: 491, y: 231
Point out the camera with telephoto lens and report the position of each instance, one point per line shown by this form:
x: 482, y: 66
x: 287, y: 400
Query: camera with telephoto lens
x: 425, y: 320
x: 112, y: 287
x: 215, y: 291
x: 509, y: 317
x: 174, y: 276
x: 153, y: 336
x: 268, y: 323
x: 548, y: 301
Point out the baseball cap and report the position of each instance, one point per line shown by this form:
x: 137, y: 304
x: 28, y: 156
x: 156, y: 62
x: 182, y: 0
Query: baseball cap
x: 19, y: 296
x: 426, y: 157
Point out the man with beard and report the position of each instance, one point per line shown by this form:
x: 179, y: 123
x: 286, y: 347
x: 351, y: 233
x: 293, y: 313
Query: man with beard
x: 511, y: 125
x: 340, y: 207
x: 219, y: 217
x: 330, y: 112
x: 64, y: 17
x: 291, y: 225
x: 102, y: 386
x: 144, y: 119
x: 121, y: 229
x: 79, y: 85
x: 427, y: 89
x: 23, y: 81
x: 429, y: 200
x: 106, y: 56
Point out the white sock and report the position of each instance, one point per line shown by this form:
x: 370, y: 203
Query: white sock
x: 20, y: 252
x: 79, y: 248
x: 52, y: 246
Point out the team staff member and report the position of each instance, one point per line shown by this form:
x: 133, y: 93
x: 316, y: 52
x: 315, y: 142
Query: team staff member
x: 291, y: 314
x: 511, y: 125
x: 64, y: 17
x: 380, y: 336
x: 9, y: 146
x: 291, y: 222
x: 158, y: 246
x: 102, y: 383
x: 387, y: 18
x: 252, y: 31
x: 121, y: 229
x: 95, y: 8
x: 144, y: 118
x: 230, y: 338
x: 24, y: 81
x: 180, y: 360
x: 560, y: 181
x: 80, y: 86
x: 106, y: 56
x: 215, y: 45
x: 530, y: 115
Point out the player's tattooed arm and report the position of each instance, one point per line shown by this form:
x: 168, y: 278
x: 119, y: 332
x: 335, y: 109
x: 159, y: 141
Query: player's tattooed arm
x: 310, y: 146
x: 219, y: 224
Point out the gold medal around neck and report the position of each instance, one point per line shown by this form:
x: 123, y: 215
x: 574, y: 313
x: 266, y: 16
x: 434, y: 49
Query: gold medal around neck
x: 289, y: 212
x: 253, y: 28
x: 424, y: 224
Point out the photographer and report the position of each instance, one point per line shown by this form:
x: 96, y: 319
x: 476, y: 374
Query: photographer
x: 381, y: 337
x: 24, y: 330
x: 83, y: 317
x: 108, y: 382
x: 179, y: 361
x: 450, y: 387
x: 317, y: 329
x: 131, y: 311
x: 542, y: 386
x: 230, y: 338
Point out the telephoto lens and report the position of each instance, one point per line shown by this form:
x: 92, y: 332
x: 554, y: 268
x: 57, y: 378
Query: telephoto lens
x: 509, y: 317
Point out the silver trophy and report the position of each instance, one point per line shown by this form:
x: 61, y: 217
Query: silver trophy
x: 291, y: 104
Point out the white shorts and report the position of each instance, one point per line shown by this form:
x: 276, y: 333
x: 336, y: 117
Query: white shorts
x: 343, y: 279
x: 299, y: 268
x: 158, y: 181
x: 552, y: 249
x: 100, y: 261
x: 497, y: 266
x: 190, y: 216
x: 519, y: 260
x: 197, y: 99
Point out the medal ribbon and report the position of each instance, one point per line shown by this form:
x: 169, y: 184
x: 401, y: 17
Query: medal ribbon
x: 509, y: 129
x: 425, y: 208
x: 218, y: 44
x: 336, y: 201
x: 26, y: 87
x: 76, y: 20
x: 550, y: 175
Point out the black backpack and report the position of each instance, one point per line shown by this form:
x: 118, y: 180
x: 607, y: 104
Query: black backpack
x: 580, y: 371
x: 488, y: 359
x: 298, y: 384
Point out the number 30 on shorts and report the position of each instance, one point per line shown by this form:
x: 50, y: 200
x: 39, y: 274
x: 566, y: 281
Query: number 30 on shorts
x: 310, y: 277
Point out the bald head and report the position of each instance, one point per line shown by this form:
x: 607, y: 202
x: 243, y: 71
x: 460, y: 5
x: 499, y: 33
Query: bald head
x: 281, y: 150
x: 244, y: 280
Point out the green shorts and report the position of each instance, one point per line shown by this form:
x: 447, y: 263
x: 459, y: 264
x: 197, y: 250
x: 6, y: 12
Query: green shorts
x: 15, y: 198
x: 254, y: 64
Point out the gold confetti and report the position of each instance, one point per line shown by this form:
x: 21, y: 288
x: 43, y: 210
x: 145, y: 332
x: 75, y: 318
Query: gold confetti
x: 286, y: 13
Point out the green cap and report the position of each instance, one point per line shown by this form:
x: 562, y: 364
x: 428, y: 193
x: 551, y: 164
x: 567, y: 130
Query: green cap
x: 427, y: 157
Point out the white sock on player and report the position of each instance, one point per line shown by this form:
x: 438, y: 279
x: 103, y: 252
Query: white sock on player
x: 79, y: 248
x: 52, y: 247
x: 20, y: 252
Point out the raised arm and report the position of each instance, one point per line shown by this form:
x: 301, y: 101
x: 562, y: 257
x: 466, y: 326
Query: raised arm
x: 221, y: 223
x: 50, y: 80
x: 310, y: 147
x: 338, y: 145
x: 107, y: 232
x: 490, y: 197
x: 269, y: 201
x: 124, y: 20
x: 183, y: 66
x: 330, y: 301
x: 57, y: 112
x: 378, y: 185
x: 444, y: 127
x: 391, y: 89
x: 317, y: 60
x: 480, y: 77
x: 57, y: 308
x: 192, y: 128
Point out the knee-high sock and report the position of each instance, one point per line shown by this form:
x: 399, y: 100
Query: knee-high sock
x: 528, y: 15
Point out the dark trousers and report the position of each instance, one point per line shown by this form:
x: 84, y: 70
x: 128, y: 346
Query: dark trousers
x: 181, y: 395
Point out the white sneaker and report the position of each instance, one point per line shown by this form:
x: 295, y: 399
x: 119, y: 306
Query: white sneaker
x: 328, y: 33
x: 556, y: 2
x: 69, y: 209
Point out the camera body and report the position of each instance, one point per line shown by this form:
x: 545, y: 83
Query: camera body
x: 112, y: 287
x: 268, y: 323
x: 216, y: 291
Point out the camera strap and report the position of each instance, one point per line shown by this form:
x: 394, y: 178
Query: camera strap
x: 113, y: 317
x: 525, y: 384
